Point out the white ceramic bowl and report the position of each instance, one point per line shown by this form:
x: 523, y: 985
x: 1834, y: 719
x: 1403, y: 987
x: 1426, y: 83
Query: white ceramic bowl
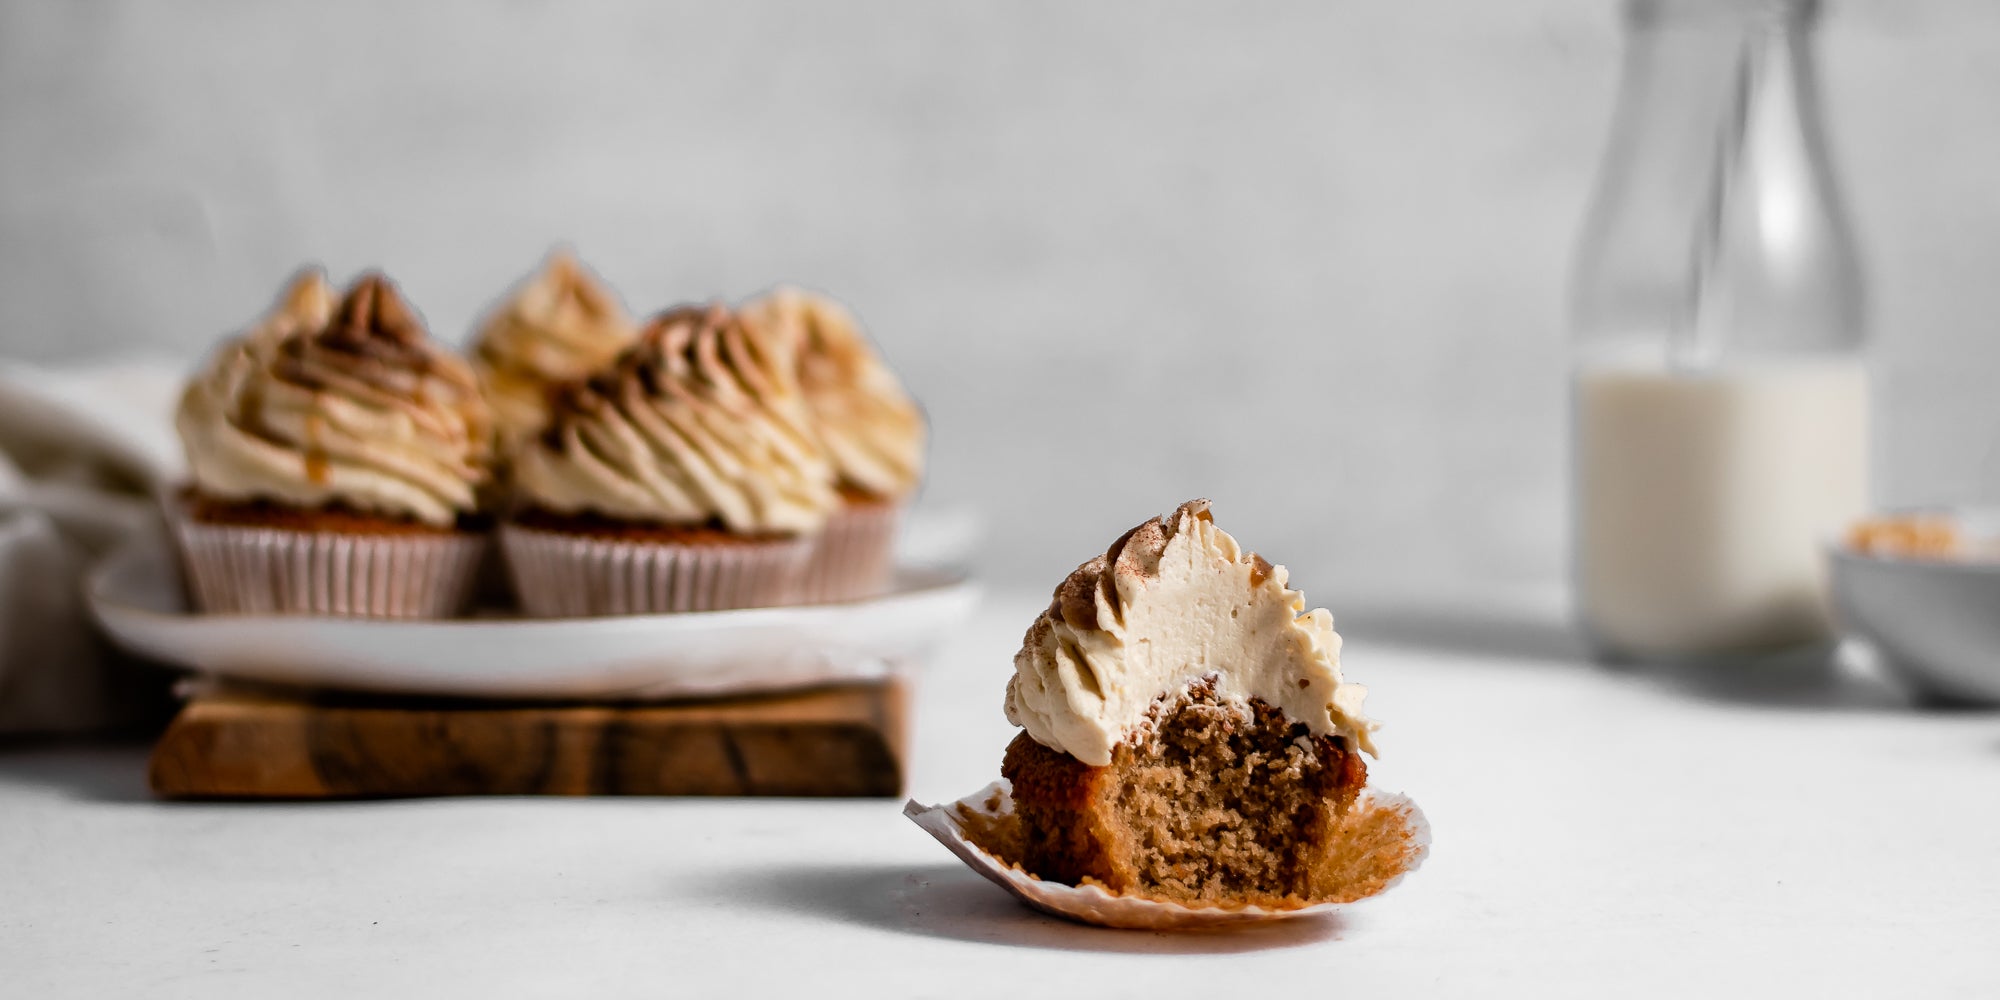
x: 1935, y: 623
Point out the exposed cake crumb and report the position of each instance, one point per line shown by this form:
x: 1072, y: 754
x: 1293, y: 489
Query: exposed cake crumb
x: 1206, y: 804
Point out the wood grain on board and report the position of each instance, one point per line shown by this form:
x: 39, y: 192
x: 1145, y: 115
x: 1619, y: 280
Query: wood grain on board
x: 843, y: 741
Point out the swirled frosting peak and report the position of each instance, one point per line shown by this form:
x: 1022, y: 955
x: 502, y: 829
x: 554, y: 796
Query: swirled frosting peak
x: 361, y: 411
x: 699, y: 422
x: 1174, y: 601
x: 305, y: 304
x: 558, y: 326
x: 871, y: 428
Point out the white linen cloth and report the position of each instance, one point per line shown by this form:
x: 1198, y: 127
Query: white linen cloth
x: 82, y: 450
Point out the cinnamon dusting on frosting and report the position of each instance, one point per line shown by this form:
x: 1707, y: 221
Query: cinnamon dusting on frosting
x: 700, y: 420
x: 1176, y: 602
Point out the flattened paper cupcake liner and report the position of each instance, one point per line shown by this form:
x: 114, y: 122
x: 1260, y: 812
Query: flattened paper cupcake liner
x: 1389, y: 839
x: 559, y: 575
x: 854, y: 557
x: 234, y: 569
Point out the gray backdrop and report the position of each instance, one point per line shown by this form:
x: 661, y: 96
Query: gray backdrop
x: 1304, y: 258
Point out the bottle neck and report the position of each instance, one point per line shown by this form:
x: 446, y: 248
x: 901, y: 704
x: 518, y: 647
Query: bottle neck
x: 1717, y: 231
x: 1641, y: 15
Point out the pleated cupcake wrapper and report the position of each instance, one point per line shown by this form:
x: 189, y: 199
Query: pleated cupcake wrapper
x: 234, y: 569
x: 558, y: 575
x: 854, y: 557
x: 1398, y: 837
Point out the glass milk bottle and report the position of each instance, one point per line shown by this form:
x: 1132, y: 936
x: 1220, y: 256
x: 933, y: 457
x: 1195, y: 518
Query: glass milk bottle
x: 1720, y: 398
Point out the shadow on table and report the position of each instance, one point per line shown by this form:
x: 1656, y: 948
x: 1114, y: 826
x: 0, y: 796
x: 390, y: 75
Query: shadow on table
x: 1491, y: 634
x: 1844, y: 677
x: 1848, y: 680
x: 1820, y: 682
x: 948, y: 901
x: 113, y: 772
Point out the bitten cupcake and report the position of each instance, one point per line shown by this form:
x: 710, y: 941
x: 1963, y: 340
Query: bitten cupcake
x: 871, y: 429
x: 1190, y: 751
x: 1187, y: 734
x: 558, y: 326
x: 683, y: 477
x: 337, y: 467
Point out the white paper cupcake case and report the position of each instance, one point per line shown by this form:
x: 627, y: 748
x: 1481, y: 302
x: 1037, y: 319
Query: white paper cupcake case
x: 1092, y: 904
x: 558, y: 575
x: 234, y: 569
x: 854, y: 557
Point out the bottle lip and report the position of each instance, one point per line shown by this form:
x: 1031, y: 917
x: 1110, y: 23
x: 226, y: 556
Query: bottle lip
x: 1649, y: 13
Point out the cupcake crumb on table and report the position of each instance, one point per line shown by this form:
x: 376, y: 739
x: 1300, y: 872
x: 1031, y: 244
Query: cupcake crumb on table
x: 338, y: 464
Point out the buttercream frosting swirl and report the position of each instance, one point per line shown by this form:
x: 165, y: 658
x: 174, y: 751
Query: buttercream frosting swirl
x: 870, y: 426
x: 305, y: 304
x: 699, y: 422
x: 360, y: 411
x: 558, y: 326
x: 1174, y: 601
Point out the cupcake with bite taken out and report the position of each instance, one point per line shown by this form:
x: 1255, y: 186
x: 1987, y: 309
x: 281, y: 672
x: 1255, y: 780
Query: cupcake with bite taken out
x: 557, y: 326
x: 871, y: 429
x: 1187, y: 734
x: 682, y: 477
x: 338, y: 466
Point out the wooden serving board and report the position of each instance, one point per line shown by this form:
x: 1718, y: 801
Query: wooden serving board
x: 244, y: 744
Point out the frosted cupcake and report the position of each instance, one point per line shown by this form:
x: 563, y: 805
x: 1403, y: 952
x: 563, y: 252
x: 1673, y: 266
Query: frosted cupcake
x: 683, y: 477
x: 557, y: 326
x: 1186, y: 732
x: 871, y: 429
x: 337, y: 466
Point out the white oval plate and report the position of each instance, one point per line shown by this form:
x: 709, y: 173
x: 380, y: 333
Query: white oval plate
x: 136, y: 593
x: 1092, y: 904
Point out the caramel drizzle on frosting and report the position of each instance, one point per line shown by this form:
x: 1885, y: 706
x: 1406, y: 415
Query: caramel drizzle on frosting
x: 374, y: 345
x: 300, y: 417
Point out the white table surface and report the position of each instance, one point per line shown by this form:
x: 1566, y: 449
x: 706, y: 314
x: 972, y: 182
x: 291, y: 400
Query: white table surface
x: 1597, y: 833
